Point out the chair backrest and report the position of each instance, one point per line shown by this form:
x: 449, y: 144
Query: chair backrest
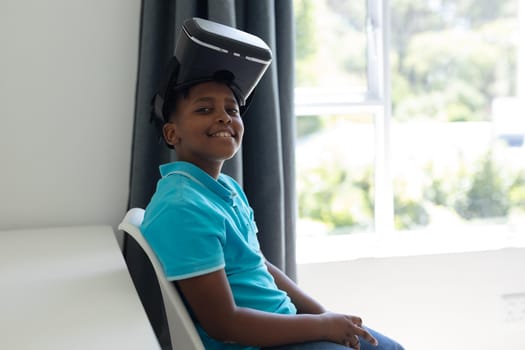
x: 183, y: 334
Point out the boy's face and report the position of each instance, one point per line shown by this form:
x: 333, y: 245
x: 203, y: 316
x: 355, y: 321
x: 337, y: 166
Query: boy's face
x: 206, y: 128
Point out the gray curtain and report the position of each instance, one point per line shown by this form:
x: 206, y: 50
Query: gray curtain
x: 265, y: 164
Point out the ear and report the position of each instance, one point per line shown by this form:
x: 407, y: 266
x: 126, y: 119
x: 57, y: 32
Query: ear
x: 169, y: 131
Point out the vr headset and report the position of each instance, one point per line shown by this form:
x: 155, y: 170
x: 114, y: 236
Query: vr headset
x: 207, y: 51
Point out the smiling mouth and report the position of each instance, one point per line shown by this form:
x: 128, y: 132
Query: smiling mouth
x: 222, y: 134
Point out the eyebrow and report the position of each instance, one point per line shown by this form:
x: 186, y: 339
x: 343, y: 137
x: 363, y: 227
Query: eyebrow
x: 212, y: 99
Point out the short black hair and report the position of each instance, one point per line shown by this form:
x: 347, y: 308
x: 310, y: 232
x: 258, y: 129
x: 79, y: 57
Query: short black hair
x: 172, y: 98
x: 169, y: 107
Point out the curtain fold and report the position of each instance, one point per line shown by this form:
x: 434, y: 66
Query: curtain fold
x: 265, y: 164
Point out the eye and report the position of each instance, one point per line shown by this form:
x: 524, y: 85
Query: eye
x: 203, y: 110
x: 233, y: 111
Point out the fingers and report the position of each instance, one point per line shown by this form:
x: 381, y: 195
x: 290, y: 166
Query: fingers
x: 356, y: 320
x: 353, y: 329
x: 352, y: 342
x: 363, y: 333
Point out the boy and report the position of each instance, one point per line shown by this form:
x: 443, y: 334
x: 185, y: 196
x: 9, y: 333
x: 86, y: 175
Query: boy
x: 201, y: 227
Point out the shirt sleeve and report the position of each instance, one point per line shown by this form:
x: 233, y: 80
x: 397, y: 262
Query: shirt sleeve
x: 188, y: 240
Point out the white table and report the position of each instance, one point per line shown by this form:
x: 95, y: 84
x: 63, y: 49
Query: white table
x: 68, y: 288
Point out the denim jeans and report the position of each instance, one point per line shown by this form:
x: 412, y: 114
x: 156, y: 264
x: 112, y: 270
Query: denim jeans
x: 385, y: 343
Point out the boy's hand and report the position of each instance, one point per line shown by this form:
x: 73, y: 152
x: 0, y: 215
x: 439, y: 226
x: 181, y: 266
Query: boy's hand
x: 345, y: 329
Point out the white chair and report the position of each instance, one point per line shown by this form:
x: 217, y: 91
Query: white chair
x: 182, y: 331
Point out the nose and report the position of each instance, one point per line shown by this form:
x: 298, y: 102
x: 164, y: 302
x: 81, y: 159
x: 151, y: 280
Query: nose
x: 224, y: 117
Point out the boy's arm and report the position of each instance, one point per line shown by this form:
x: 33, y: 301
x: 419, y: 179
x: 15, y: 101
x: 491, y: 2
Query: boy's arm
x: 211, y: 300
x: 304, y: 303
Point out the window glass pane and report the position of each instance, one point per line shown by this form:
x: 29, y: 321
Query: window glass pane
x: 457, y: 128
x: 335, y: 148
x: 335, y: 173
x: 331, y: 44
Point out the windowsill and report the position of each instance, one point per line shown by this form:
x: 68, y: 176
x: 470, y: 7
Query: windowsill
x: 329, y: 248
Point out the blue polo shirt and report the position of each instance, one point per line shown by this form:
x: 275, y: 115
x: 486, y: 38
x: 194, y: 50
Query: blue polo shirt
x: 197, y: 224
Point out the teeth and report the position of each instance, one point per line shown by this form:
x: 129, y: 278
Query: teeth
x: 222, y: 134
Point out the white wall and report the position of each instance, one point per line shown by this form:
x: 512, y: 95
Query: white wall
x: 67, y: 89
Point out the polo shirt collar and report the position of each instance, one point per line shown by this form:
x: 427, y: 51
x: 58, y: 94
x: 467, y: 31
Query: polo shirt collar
x: 197, y: 174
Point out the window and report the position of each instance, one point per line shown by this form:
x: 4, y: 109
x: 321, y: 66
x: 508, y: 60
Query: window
x: 427, y: 137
